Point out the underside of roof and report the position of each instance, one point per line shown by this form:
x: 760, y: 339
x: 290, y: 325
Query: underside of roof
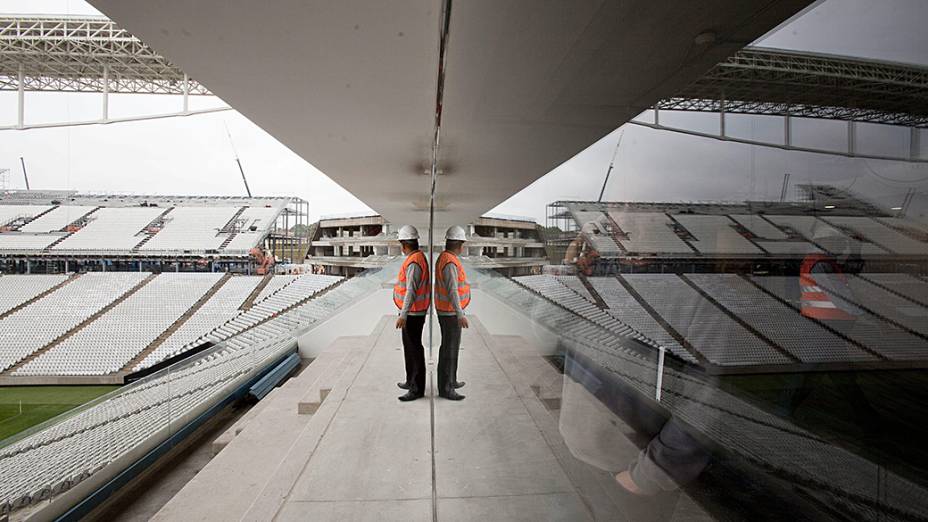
x: 351, y: 86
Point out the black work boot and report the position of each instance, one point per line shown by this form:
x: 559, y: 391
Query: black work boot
x: 452, y: 396
x: 458, y: 384
x: 402, y: 385
x: 411, y: 395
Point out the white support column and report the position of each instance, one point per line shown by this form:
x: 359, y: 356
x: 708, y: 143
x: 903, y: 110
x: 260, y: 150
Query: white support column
x: 21, y: 97
x: 914, y: 143
x: 851, y: 138
x: 659, y: 381
x: 657, y: 116
x: 106, y: 93
x: 787, y: 131
x: 186, y: 94
x: 722, y: 117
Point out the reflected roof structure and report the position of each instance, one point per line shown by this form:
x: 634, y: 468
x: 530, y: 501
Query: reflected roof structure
x: 756, y: 80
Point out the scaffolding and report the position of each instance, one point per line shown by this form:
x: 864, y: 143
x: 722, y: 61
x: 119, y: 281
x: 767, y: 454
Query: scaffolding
x: 290, y: 238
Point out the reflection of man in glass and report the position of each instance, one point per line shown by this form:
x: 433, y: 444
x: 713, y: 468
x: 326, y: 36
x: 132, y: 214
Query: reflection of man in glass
x: 825, y: 296
x: 411, y: 294
x: 608, y: 423
x: 452, y: 295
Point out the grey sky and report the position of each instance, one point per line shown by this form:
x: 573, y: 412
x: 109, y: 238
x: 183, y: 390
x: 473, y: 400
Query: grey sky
x: 192, y: 155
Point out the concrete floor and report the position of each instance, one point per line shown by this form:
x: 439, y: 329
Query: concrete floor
x: 364, y: 455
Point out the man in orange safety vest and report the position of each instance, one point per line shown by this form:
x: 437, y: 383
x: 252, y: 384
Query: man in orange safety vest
x: 412, y: 295
x: 452, y: 295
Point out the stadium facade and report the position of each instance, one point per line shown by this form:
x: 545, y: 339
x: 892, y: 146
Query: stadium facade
x: 348, y: 245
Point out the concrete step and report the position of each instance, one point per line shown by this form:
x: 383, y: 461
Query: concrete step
x: 262, y: 455
x: 339, y: 359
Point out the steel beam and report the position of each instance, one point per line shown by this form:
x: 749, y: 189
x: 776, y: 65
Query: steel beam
x: 20, y: 99
x: 76, y: 54
x: 92, y: 54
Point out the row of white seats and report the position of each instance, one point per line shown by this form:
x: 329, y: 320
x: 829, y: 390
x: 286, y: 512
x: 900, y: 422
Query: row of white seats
x: 572, y: 326
x: 597, y: 234
x: 261, y: 218
x: 276, y: 283
x: 876, y: 333
x: 300, y: 289
x: 825, y: 235
x: 221, y: 307
x: 649, y: 232
x: 16, y: 241
x: 111, y: 228
x: 553, y: 289
x: 622, y: 305
x: 17, y: 289
x: 10, y: 213
x: 57, y: 219
x: 243, y: 241
x: 715, y: 235
x: 798, y: 335
x: 237, y: 321
x: 43, y: 321
x: 720, y: 339
x: 112, y: 340
x: 191, y: 228
x: 882, y: 235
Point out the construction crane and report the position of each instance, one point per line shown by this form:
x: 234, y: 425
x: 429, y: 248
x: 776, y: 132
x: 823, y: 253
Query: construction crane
x: 237, y: 161
x: 611, y: 165
x: 785, y: 187
x: 25, y: 176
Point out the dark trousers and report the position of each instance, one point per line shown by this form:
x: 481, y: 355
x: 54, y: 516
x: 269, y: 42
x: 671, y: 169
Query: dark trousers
x: 448, y: 352
x: 414, y: 352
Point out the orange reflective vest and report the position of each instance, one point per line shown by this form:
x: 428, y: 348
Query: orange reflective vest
x: 814, y: 302
x: 442, y: 299
x: 423, y: 294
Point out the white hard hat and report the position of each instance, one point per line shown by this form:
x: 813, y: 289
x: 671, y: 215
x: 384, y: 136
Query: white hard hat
x: 408, y: 232
x: 456, y: 233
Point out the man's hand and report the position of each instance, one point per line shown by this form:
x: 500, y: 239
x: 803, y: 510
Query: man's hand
x: 462, y: 322
x: 400, y: 323
x: 625, y: 481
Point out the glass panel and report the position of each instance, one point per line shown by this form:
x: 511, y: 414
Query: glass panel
x: 733, y: 332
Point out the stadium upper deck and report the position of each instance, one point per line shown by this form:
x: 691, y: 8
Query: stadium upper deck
x: 50, y: 225
x: 751, y: 231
